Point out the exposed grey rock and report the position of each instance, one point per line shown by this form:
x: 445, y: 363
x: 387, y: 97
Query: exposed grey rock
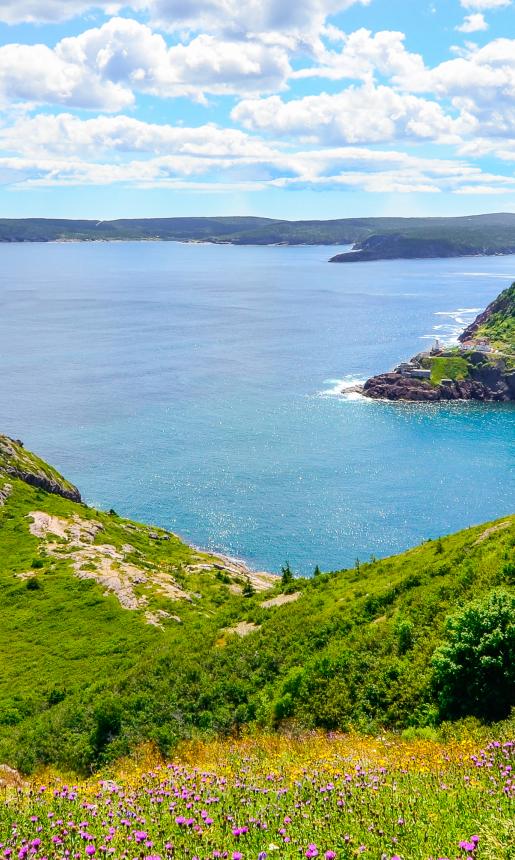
x: 5, y: 492
x: 18, y: 463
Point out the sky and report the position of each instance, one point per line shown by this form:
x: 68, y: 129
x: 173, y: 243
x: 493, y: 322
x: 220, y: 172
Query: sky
x: 281, y: 108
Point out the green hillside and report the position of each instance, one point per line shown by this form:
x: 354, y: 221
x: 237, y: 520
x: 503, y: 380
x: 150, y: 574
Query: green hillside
x: 112, y: 632
x: 375, y: 238
x: 496, y: 324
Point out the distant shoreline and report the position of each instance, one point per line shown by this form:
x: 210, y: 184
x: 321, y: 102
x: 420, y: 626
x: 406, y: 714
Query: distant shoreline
x: 157, y: 240
x: 369, y: 239
x: 353, y: 255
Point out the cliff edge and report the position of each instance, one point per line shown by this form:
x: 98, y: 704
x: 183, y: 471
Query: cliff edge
x: 16, y: 462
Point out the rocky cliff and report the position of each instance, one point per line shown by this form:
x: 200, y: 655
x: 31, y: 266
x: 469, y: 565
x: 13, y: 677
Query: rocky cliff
x: 491, y: 383
x: 482, y: 368
x: 16, y: 462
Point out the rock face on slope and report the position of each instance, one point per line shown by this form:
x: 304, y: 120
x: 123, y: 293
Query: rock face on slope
x: 481, y: 368
x: 16, y: 462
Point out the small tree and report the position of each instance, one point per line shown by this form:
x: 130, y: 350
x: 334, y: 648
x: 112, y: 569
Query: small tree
x: 286, y: 574
x: 317, y: 571
x: 474, y: 671
x: 248, y: 589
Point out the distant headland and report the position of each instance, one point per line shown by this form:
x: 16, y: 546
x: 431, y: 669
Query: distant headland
x: 371, y: 238
x: 480, y: 367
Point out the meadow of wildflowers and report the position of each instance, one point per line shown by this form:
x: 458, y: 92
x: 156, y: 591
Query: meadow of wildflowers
x: 317, y: 796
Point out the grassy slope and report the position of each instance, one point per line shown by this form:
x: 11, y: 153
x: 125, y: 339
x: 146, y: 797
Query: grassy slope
x: 84, y: 679
x: 448, y: 368
x: 65, y: 636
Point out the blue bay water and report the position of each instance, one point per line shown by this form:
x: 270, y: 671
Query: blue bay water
x: 191, y: 386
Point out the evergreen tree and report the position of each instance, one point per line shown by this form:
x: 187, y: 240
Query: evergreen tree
x: 248, y: 589
x: 286, y: 574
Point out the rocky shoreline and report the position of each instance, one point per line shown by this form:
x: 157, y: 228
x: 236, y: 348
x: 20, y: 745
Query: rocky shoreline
x: 477, y: 368
x: 493, y: 386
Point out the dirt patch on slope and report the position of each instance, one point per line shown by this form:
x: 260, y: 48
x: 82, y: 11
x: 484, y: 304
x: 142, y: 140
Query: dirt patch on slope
x: 10, y: 778
x: 281, y: 599
x: 486, y: 534
x: 260, y: 580
x: 243, y: 628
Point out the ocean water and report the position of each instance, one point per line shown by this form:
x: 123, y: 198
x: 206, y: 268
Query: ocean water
x: 198, y: 387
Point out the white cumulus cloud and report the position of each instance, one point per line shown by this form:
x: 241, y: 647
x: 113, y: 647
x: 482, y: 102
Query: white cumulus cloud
x: 300, y: 18
x: 254, y: 50
x: 37, y: 73
x: 43, y: 11
x: 67, y: 135
x: 363, y: 54
x: 342, y: 168
x: 473, y: 23
x: 480, y: 85
x: 485, y: 4
x: 364, y: 114
x: 104, y: 66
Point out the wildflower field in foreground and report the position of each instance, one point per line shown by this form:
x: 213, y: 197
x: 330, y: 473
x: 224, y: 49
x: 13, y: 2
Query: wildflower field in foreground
x: 331, y: 797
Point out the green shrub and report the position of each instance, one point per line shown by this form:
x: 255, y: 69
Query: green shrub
x: 33, y: 584
x: 108, y: 723
x: 404, y: 630
x: 474, y: 671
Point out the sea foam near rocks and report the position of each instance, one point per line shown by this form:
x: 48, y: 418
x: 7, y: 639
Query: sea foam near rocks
x: 448, y: 333
x: 344, y: 388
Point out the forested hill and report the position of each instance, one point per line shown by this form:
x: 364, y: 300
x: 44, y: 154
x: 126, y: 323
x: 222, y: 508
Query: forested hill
x: 421, y: 238
x: 113, y: 632
x: 373, y: 238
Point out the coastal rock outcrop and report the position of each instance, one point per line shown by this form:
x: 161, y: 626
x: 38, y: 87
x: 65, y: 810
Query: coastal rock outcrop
x: 395, y: 386
x: 16, y: 462
x: 481, y: 367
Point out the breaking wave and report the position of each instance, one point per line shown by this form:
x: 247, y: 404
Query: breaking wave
x: 343, y: 388
x: 448, y: 332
